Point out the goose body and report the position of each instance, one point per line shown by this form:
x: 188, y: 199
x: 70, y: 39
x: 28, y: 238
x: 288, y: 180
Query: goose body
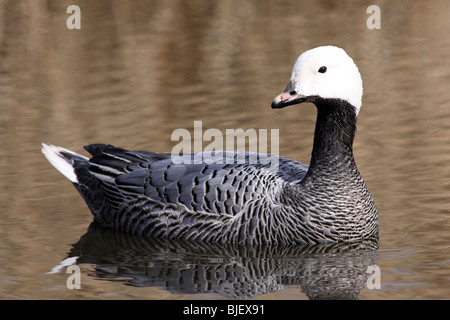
x: 146, y: 193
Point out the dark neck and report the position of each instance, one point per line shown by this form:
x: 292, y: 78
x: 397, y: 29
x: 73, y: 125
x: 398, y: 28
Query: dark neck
x: 333, y: 138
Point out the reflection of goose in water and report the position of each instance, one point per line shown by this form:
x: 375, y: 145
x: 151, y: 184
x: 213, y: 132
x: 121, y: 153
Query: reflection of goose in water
x: 338, y: 271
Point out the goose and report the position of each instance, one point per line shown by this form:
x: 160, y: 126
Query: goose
x: 148, y: 194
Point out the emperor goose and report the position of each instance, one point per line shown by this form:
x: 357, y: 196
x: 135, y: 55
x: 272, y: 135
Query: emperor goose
x: 148, y: 194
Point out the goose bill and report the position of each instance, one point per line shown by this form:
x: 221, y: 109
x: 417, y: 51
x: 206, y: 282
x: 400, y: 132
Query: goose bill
x: 287, y: 99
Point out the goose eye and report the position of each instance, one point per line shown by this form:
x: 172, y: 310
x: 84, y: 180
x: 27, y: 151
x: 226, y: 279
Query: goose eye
x: 322, y: 69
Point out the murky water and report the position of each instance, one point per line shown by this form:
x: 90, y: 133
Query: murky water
x: 138, y: 70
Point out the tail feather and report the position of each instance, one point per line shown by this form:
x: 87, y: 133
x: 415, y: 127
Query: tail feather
x: 63, y: 160
x: 75, y: 167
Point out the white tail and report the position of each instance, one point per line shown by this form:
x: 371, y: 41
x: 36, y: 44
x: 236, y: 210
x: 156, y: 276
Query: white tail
x: 61, y: 159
